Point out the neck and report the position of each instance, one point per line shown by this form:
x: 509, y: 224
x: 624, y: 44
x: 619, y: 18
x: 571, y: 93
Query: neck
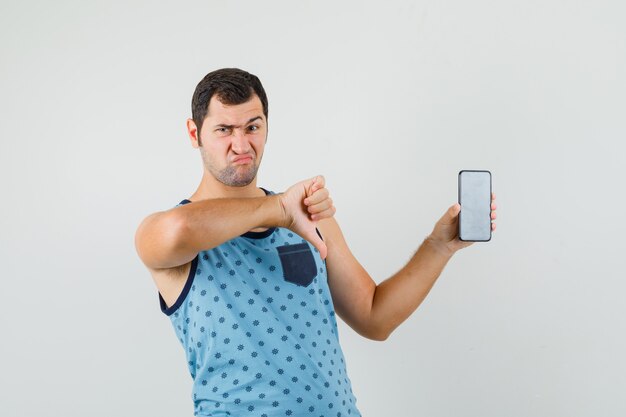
x: 211, y: 188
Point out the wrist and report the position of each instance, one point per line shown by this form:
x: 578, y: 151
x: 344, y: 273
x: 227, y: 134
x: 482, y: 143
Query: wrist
x: 439, y: 247
x: 280, y: 217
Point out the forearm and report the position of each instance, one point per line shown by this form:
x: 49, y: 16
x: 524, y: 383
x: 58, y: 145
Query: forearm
x: 396, y: 298
x: 208, y: 223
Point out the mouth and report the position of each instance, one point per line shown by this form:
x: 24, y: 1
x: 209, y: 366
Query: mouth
x: 242, y: 160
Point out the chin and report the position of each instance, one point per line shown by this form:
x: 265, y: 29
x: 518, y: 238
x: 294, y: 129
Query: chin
x: 233, y: 176
x: 237, y: 182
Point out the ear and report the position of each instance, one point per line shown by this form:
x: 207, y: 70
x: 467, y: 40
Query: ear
x: 192, y: 130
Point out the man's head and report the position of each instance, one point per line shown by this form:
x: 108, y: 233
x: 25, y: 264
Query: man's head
x: 229, y: 120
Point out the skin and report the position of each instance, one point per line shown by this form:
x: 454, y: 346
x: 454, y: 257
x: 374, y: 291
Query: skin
x: 372, y: 310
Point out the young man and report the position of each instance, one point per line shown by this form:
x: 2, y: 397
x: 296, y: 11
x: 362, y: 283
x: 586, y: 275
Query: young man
x: 251, y: 279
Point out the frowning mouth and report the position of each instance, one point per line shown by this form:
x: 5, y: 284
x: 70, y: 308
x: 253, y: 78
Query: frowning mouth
x: 242, y: 160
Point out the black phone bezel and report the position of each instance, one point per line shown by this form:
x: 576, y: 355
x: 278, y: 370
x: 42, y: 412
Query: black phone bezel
x: 459, y: 201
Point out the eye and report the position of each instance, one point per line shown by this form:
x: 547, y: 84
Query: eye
x: 253, y: 126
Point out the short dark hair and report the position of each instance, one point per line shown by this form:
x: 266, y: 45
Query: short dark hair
x: 230, y: 86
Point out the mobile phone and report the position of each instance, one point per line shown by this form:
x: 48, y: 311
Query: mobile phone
x: 475, y: 201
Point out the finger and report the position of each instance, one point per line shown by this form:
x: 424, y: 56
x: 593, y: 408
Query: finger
x: 324, y: 214
x: 493, y: 226
x: 450, y: 216
x: 493, y: 196
x: 493, y: 206
x: 317, y: 183
x: 493, y: 215
x: 320, y: 181
x: 310, y: 188
x: 317, y: 197
x: 316, y: 208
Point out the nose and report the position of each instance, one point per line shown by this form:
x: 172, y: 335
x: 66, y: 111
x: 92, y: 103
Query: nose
x: 239, y: 142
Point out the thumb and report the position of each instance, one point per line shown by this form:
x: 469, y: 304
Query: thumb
x: 319, y: 244
x: 311, y: 188
x: 451, y: 214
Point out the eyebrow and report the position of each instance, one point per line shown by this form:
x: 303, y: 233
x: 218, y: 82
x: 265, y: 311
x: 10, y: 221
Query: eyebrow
x: 231, y: 126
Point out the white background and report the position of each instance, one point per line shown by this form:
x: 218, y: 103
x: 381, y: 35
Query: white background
x: 388, y: 101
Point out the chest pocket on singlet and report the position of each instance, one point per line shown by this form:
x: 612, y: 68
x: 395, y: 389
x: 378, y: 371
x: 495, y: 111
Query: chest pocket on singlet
x: 298, y: 263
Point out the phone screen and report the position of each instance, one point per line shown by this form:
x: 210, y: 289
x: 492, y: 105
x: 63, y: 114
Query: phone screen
x: 475, y: 201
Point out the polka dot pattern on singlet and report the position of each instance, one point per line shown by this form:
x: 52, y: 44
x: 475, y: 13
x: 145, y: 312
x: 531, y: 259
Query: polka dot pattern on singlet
x: 259, y: 330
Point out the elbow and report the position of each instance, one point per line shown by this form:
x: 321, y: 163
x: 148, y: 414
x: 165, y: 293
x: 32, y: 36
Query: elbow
x: 378, y: 338
x: 381, y: 336
x: 372, y: 328
x: 379, y: 330
x: 378, y: 335
x: 158, y: 238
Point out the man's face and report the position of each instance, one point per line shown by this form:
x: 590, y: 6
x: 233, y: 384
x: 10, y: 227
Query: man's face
x: 232, y: 140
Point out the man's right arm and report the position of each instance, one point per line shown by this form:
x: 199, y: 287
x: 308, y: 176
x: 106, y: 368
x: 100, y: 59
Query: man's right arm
x: 174, y: 237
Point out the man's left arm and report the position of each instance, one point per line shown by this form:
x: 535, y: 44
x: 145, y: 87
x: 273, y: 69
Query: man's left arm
x: 374, y: 311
